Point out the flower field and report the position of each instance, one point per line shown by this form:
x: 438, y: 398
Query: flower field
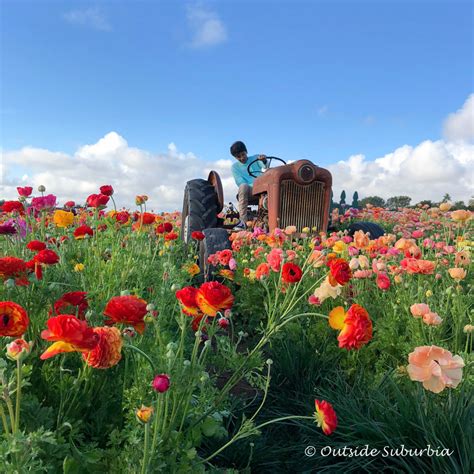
x: 116, y: 356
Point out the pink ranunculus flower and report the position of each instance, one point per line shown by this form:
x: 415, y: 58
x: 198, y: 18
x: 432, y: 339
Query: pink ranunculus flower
x: 435, y: 367
x: 432, y: 319
x: 417, y: 234
x: 362, y: 274
x: 419, y: 309
x: 44, y: 202
x: 274, y: 259
x: 352, y: 250
x: 232, y: 264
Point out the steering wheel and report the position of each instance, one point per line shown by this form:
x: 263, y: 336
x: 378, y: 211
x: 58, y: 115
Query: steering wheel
x: 269, y: 160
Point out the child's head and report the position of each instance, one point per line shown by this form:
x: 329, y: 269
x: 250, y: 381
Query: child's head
x: 239, y: 151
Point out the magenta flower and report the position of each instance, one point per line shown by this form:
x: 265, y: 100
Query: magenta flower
x: 44, y: 202
x: 161, y: 383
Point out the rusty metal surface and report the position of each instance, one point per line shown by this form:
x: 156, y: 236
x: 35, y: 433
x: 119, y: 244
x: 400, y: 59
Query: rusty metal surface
x: 296, y: 196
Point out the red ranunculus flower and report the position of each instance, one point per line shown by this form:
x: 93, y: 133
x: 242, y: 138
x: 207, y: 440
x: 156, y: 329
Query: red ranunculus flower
x: 171, y: 236
x: 355, y: 326
x: 70, y: 335
x: 69, y: 204
x: 383, y: 281
x: 12, y: 267
x: 72, y: 303
x: 36, y: 245
x: 25, y: 191
x: 13, y: 319
x: 339, y: 271
x: 13, y: 206
x: 81, y: 231
x: 197, y: 235
x: 107, y: 190
x: 122, y: 217
x: 325, y: 416
x: 97, y: 200
x: 187, y: 298
x: 160, y: 229
x: 224, y: 256
x: 107, y: 352
x: 147, y: 218
x: 46, y: 257
x: 291, y: 273
x: 213, y: 297
x: 128, y: 309
x: 168, y: 226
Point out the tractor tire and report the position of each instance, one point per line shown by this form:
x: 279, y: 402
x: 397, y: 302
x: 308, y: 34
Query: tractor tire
x: 372, y: 228
x: 215, y: 239
x: 200, y: 206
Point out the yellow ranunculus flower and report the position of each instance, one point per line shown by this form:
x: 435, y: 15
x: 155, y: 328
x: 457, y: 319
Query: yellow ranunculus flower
x: 63, y: 218
x: 192, y: 268
x: 79, y: 267
x: 339, y: 246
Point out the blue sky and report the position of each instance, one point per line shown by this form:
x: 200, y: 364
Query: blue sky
x: 321, y: 80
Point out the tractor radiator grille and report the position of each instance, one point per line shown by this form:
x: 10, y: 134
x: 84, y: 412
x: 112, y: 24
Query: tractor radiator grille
x: 301, y: 205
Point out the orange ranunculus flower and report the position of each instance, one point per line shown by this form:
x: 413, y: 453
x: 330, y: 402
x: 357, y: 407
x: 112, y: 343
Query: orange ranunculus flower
x: 461, y: 215
x: 70, y: 335
x: 187, y: 299
x: 262, y: 271
x: 213, y: 297
x: 63, y: 218
x: 226, y: 273
x: 414, y: 266
x: 128, y: 309
x: 339, y: 271
x: 445, y: 206
x: 325, y: 416
x: 192, y: 269
x: 107, y: 352
x: 435, y: 367
x: 361, y: 240
x: 457, y: 274
x: 144, y: 414
x: 13, y: 319
x: 355, y: 326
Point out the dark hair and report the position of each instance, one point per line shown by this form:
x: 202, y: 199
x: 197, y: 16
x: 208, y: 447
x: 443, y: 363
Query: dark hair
x: 237, y: 147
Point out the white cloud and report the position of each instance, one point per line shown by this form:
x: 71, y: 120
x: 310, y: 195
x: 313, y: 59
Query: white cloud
x: 206, y: 27
x: 459, y: 126
x: 111, y: 160
x: 426, y: 171
x: 89, y: 17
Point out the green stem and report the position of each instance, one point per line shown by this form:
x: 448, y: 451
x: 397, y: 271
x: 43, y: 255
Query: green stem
x: 18, y: 394
x: 136, y: 349
x: 4, y: 420
x: 145, y: 449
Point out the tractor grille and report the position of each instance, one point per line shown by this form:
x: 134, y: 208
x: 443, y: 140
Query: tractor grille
x: 301, y: 205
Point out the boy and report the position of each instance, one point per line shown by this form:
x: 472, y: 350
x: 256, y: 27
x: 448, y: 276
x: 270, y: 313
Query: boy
x: 242, y: 178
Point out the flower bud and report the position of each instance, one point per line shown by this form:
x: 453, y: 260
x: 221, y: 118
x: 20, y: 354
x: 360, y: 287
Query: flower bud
x: 150, y: 307
x: 144, y: 414
x: 41, y: 188
x: 18, y: 349
x: 161, y: 383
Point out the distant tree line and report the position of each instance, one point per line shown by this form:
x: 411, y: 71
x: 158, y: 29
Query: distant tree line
x: 394, y: 202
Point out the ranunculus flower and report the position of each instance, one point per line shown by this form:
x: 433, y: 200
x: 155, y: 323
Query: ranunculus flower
x: 13, y: 319
x: 445, y: 206
x: 69, y: 335
x: 361, y: 240
x: 457, y: 274
x: 461, y: 215
x: 187, y: 298
x: 106, y: 190
x: 69, y: 204
x: 44, y: 202
x: 72, y: 303
x: 289, y: 230
x: 325, y: 416
x: 355, y: 326
x: 224, y: 256
x: 213, y: 297
x: 432, y: 319
x: 18, y: 349
x: 97, y: 200
x: 147, y: 218
x: 36, y: 245
x: 274, y: 259
x: 25, y: 191
x: 435, y: 367
x: 107, y: 352
x: 161, y: 383
x: 63, y: 218
x: 13, y: 206
x: 383, y: 281
x: 144, y: 414
x: 291, y: 273
x: 197, y: 235
x: 339, y: 271
x: 81, y: 231
x: 414, y: 266
x: 127, y: 309
x: 419, y: 309
x: 326, y: 290
x: 13, y: 267
x: 262, y: 271
x: 171, y: 236
x: 46, y: 257
x: 7, y: 229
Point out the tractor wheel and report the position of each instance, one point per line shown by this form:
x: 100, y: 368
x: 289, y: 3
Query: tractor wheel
x: 372, y: 228
x: 215, y: 240
x: 199, y: 208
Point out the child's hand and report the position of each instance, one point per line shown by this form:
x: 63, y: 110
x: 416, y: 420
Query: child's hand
x: 262, y: 157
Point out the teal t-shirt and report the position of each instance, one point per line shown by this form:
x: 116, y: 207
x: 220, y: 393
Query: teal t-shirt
x: 239, y: 170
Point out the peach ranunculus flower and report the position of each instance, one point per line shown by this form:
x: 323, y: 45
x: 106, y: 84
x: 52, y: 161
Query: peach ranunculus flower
x: 317, y: 258
x: 361, y: 240
x: 435, y: 367
x: 289, y: 230
x: 63, y: 218
x: 462, y: 258
x: 461, y: 215
x: 419, y: 309
x: 413, y: 266
x: 457, y: 274
x: 445, y: 206
x: 432, y: 319
x: 364, y: 262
